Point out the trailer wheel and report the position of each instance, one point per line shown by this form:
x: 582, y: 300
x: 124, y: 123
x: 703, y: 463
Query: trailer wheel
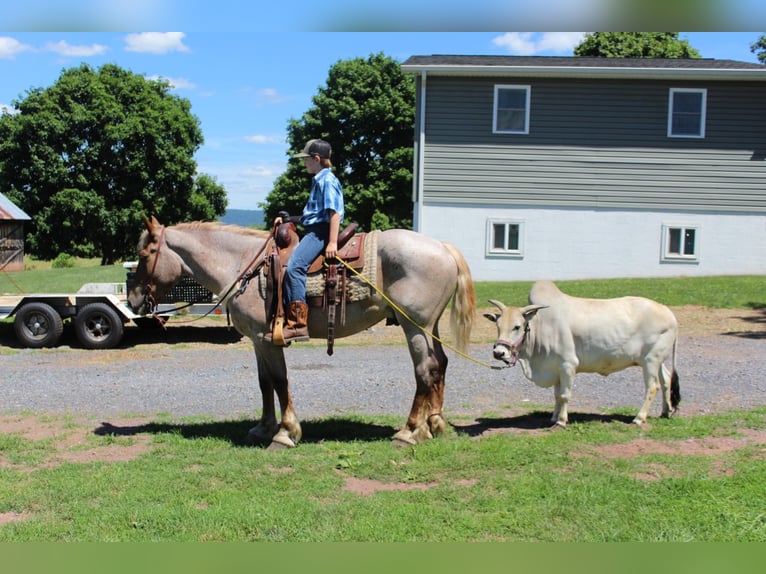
x: 98, y: 326
x: 38, y: 325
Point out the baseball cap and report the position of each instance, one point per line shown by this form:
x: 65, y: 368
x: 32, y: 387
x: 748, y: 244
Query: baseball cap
x: 317, y: 146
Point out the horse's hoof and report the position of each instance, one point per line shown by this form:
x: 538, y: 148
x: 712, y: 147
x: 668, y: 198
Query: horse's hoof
x: 282, y: 440
x: 279, y: 446
x: 557, y: 426
x: 403, y: 438
x: 401, y: 443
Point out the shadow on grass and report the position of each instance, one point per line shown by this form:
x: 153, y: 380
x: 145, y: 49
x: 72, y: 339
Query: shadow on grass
x: 536, y: 420
x: 236, y: 432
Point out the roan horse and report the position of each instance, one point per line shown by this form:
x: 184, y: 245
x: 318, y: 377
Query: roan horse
x: 420, y: 275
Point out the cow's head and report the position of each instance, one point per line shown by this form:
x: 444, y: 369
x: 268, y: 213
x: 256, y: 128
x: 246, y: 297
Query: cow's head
x: 512, y: 328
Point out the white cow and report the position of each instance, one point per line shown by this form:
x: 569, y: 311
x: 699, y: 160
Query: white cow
x: 557, y: 335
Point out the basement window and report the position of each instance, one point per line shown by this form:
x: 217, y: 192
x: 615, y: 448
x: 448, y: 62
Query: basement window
x: 511, y: 109
x: 686, y: 113
x: 680, y: 243
x: 505, y: 237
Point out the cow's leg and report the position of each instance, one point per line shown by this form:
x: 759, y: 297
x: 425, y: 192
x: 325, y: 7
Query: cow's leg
x: 425, y: 419
x: 665, y: 387
x: 272, y: 378
x: 651, y: 385
x: 562, y: 392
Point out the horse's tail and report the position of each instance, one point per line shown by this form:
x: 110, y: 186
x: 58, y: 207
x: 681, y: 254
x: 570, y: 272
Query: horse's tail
x: 463, y: 302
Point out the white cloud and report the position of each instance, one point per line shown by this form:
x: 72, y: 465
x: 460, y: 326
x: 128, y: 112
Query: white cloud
x: 4, y: 109
x: 264, y: 139
x: 269, y: 96
x: 529, y: 43
x: 176, y: 83
x: 64, y: 48
x: 156, y: 42
x: 9, y: 47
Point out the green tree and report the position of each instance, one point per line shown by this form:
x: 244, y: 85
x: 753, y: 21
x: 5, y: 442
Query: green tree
x: 635, y: 45
x: 759, y: 49
x: 87, y: 157
x: 367, y: 113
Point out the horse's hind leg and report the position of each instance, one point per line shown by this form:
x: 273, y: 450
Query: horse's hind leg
x: 425, y: 420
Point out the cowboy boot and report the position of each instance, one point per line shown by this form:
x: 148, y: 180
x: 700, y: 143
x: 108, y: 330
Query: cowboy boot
x: 296, y: 317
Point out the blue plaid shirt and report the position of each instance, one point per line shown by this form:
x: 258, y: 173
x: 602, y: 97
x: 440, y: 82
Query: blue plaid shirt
x: 326, y: 195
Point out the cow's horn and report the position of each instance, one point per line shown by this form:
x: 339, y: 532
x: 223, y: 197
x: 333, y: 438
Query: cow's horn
x: 497, y: 304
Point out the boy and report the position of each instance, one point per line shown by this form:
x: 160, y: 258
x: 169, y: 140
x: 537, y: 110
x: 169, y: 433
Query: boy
x: 321, y: 221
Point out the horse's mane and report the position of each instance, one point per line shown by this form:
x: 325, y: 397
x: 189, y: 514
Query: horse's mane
x: 218, y: 226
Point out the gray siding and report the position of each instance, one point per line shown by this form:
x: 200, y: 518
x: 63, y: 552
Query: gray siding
x: 595, y: 144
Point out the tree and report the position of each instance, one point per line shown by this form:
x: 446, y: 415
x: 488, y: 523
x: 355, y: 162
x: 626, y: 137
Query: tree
x: 759, y: 49
x: 367, y: 112
x: 635, y: 45
x: 87, y: 157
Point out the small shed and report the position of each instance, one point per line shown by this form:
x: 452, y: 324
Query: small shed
x: 11, y: 235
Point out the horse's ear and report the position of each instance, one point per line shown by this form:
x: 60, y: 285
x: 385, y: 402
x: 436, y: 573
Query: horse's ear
x: 147, y: 223
x: 155, y: 222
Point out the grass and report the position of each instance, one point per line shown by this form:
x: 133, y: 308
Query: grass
x: 719, y: 292
x: 724, y: 292
x: 199, y: 481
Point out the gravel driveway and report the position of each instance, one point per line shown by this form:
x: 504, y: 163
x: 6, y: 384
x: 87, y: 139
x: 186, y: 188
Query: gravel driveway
x: 214, y: 375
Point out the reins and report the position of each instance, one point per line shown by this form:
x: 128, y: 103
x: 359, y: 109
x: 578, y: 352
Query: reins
x: 221, y: 299
x: 411, y: 320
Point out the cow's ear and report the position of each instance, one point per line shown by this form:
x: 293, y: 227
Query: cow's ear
x: 492, y: 317
x: 531, y: 310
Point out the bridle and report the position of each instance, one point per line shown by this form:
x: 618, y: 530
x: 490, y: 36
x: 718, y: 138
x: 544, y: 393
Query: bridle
x: 150, y: 287
x: 514, y: 347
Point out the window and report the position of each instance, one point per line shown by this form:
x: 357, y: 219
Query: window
x: 679, y: 242
x: 504, y: 237
x: 511, y: 113
x: 686, y: 113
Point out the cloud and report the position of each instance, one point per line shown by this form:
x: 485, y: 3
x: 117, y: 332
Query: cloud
x: 529, y: 43
x: 4, y: 109
x: 176, y: 83
x: 156, y: 42
x: 264, y: 139
x: 65, y: 49
x: 9, y: 47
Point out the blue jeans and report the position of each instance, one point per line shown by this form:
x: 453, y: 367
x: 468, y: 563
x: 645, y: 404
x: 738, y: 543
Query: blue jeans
x: 311, y: 245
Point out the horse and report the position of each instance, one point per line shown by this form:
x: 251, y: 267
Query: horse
x: 416, y: 277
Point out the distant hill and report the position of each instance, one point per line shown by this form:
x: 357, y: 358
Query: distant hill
x: 243, y: 217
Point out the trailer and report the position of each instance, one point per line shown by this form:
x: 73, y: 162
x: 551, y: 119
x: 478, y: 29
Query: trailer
x: 98, y: 312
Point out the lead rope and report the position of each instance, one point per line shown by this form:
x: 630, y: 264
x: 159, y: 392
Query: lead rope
x: 411, y: 320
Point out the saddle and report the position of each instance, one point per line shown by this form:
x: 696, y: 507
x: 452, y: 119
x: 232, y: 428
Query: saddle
x: 334, y: 274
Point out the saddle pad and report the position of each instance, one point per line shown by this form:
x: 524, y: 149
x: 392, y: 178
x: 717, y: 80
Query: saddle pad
x: 356, y: 288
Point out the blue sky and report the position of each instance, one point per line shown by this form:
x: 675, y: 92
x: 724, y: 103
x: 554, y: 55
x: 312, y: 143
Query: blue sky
x: 245, y: 86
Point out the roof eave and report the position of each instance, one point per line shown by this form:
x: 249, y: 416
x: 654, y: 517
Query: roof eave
x: 733, y: 74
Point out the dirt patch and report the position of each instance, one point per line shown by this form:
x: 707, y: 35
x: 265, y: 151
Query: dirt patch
x: 71, y: 441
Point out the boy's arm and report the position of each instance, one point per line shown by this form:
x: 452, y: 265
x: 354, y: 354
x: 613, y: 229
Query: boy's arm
x: 332, y: 243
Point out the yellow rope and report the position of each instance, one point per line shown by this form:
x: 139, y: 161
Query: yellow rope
x: 411, y: 320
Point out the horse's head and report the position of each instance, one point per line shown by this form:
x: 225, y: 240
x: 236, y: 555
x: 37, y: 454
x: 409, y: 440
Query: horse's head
x: 159, y: 268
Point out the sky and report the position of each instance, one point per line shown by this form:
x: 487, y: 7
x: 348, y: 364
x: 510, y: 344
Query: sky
x: 245, y: 86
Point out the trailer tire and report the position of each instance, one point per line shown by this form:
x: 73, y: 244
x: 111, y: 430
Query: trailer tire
x: 98, y: 326
x: 38, y: 325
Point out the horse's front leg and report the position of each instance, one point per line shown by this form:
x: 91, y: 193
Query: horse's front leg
x: 272, y: 377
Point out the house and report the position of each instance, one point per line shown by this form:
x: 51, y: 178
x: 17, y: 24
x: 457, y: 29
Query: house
x: 573, y: 167
x: 11, y: 235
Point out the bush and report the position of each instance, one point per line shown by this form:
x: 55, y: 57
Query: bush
x: 62, y: 261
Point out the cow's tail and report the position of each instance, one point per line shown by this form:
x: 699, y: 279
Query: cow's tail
x: 675, y: 386
x: 463, y: 302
